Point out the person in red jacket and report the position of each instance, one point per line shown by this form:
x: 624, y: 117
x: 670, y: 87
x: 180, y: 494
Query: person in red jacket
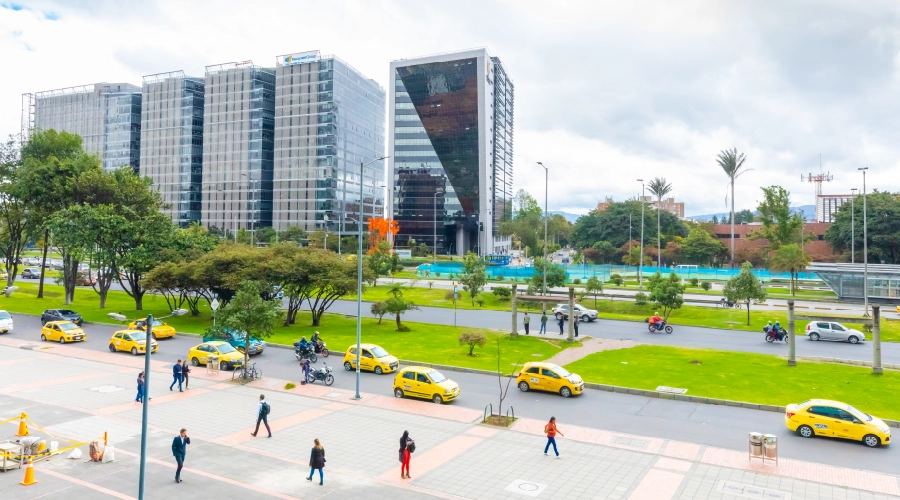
x: 552, y: 431
x: 656, y: 320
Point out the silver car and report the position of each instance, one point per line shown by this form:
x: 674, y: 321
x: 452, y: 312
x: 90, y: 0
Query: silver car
x: 828, y: 330
x: 562, y: 311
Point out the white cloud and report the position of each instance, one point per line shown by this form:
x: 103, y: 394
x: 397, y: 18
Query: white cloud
x: 606, y: 91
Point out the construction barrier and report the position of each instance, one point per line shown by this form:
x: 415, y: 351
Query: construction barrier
x: 29, y: 473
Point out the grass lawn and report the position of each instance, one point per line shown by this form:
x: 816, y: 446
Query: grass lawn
x: 425, y: 342
x: 754, y: 378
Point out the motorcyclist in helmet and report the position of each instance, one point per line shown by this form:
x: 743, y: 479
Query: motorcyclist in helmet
x: 768, y: 327
x: 656, y: 320
x: 303, y: 344
x: 777, y: 330
x: 315, y: 341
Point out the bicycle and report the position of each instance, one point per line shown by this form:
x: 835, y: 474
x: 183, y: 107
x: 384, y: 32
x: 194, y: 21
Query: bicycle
x: 246, y: 374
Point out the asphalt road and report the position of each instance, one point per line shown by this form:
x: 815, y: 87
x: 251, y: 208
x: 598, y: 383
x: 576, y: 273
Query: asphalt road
x: 683, y: 336
x: 710, y: 425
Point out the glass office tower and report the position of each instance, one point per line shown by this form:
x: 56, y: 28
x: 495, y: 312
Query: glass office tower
x: 107, y: 116
x: 238, y: 141
x: 172, y: 142
x: 328, y: 119
x: 451, y: 151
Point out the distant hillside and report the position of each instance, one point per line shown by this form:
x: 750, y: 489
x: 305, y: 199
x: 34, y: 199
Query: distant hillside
x: 570, y: 217
x: 808, y: 211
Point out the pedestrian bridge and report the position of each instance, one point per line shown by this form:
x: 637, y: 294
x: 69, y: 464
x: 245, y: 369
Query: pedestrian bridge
x: 846, y: 280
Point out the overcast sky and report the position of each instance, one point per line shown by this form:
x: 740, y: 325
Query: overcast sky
x: 606, y: 91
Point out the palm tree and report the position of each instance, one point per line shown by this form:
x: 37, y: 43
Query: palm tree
x: 660, y: 188
x: 732, y: 162
x: 790, y: 258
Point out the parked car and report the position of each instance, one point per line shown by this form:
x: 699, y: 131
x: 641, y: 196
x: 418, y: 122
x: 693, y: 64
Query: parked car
x: 236, y: 339
x: 31, y: 273
x: 61, y: 315
x: 562, y: 311
x: 829, y: 330
x: 85, y: 278
x: 57, y: 265
x: 6, y: 322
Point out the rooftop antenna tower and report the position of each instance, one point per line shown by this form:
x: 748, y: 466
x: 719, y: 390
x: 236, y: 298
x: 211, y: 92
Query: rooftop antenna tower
x: 817, y: 179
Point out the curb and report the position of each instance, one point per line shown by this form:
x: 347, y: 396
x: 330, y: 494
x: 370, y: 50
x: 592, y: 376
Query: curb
x: 840, y: 361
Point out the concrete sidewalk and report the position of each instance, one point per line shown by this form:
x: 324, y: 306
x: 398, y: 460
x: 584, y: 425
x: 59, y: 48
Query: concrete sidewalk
x: 79, y: 394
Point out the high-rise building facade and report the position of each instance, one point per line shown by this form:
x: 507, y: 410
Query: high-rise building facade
x: 107, y: 116
x: 238, y: 142
x: 329, y: 118
x: 172, y: 142
x: 450, y: 143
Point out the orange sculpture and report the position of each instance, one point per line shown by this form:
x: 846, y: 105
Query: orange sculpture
x: 379, y: 228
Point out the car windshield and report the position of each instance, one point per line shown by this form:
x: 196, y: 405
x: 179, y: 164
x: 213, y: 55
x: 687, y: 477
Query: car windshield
x: 858, y: 414
x: 225, y: 348
x: 68, y: 326
x: 67, y: 311
x: 562, y: 372
x: 157, y: 322
x: 138, y: 336
x: 5, y: 315
x: 379, y: 352
x: 436, y: 377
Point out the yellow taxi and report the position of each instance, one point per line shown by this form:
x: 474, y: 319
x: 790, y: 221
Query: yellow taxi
x: 228, y: 356
x: 548, y: 377
x: 374, y: 359
x: 426, y: 383
x: 62, y: 332
x: 824, y: 417
x: 133, y: 341
x: 160, y: 329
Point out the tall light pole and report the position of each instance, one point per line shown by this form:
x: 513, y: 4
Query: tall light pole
x: 546, y: 184
x: 865, y: 247
x: 359, y: 274
x: 148, y: 348
x: 641, y: 263
x: 853, y: 226
x: 438, y: 191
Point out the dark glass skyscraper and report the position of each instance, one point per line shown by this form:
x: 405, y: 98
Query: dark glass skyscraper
x: 451, y: 151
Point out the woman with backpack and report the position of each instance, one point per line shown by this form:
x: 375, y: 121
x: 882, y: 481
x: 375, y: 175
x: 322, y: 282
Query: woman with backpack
x: 317, y: 461
x: 551, y: 431
x: 407, y: 447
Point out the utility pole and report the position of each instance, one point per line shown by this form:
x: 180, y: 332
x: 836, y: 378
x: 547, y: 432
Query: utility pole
x: 641, y: 263
x: 865, y: 247
x: 853, y: 226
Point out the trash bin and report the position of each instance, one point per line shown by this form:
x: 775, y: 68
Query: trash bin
x: 212, y: 364
x: 770, y: 442
x: 756, y: 444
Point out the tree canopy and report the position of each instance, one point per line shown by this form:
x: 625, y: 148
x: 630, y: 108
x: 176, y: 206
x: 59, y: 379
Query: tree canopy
x: 883, y: 220
x: 612, y: 225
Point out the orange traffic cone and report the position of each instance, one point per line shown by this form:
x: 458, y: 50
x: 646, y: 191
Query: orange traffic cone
x: 23, y: 427
x: 29, y: 473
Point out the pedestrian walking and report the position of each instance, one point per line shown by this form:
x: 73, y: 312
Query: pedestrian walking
x: 304, y: 364
x: 179, y: 449
x: 317, y: 461
x: 140, y: 383
x: 185, y: 369
x: 176, y: 376
x: 560, y: 321
x: 526, y: 321
x: 575, y: 324
x: 405, y: 454
x: 543, y: 323
x: 551, y: 431
x: 262, y: 414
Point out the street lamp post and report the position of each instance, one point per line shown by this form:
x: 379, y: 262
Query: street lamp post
x: 546, y: 184
x: 359, y: 259
x: 437, y: 192
x: 865, y: 247
x: 641, y: 263
x: 148, y: 348
x: 852, y: 226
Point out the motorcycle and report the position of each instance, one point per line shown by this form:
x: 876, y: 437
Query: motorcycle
x: 665, y: 326
x: 725, y: 303
x: 772, y: 335
x: 323, y: 374
x: 321, y: 349
x: 307, y: 353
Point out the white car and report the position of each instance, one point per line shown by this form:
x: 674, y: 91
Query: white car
x: 828, y: 330
x: 6, y: 322
x: 562, y: 311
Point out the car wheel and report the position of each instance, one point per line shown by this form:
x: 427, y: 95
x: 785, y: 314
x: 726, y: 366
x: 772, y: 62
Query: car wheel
x: 523, y: 386
x: 565, y: 392
x: 813, y: 336
x: 871, y: 440
x: 153, y: 335
x: 853, y: 339
x: 805, y: 431
x: 437, y: 399
x: 348, y: 366
x: 585, y: 318
x: 43, y: 338
x: 195, y: 362
x: 378, y: 370
x: 398, y: 393
x: 134, y: 351
x: 62, y: 340
x: 112, y: 348
x: 223, y: 366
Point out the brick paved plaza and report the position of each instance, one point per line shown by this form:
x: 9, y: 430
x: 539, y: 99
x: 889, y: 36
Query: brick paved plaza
x: 77, y: 394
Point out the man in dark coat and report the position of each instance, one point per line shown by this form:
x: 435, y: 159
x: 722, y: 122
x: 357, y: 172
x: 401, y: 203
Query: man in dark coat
x: 179, y: 450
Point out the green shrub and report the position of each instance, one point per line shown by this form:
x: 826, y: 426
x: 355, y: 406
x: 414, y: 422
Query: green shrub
x: 410, y: 262
x: 694, y: 281
x: 616, y: 279
x: 502, y: 292
x: 706, y: 285
x: 640, y: 298
x: 449, y: 295
x: 437, y: 273
x: 403, y: 328
x: 576, y: 281
x: 499, y: 277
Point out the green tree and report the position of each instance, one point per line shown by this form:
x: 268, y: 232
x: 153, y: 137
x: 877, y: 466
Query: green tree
x: 473, y: 339
x: 248, y: 314
x: 732, y: 164
x: 659, y: 187
x: 715, y: 219
x: 13, y: 210
x: 633, y: 257
x: 779, y: 226
x: 606, y: 250
x: 666, y: 292
x: 294, y: 234
x: 396, y: 304
x: 266, y: 235
x: 745, y: 216
x: 593, y: 287
x: 792, y: 259
x: 619, y: 223
x: 379, y: 309
x: 330, y: 278
x: 474, y: 276
x: 744, y: 288
x: 556, y: 275
x: 883, y: 220
x: 383, y: 261
x: 700, y: 247
x: 527, y: 221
